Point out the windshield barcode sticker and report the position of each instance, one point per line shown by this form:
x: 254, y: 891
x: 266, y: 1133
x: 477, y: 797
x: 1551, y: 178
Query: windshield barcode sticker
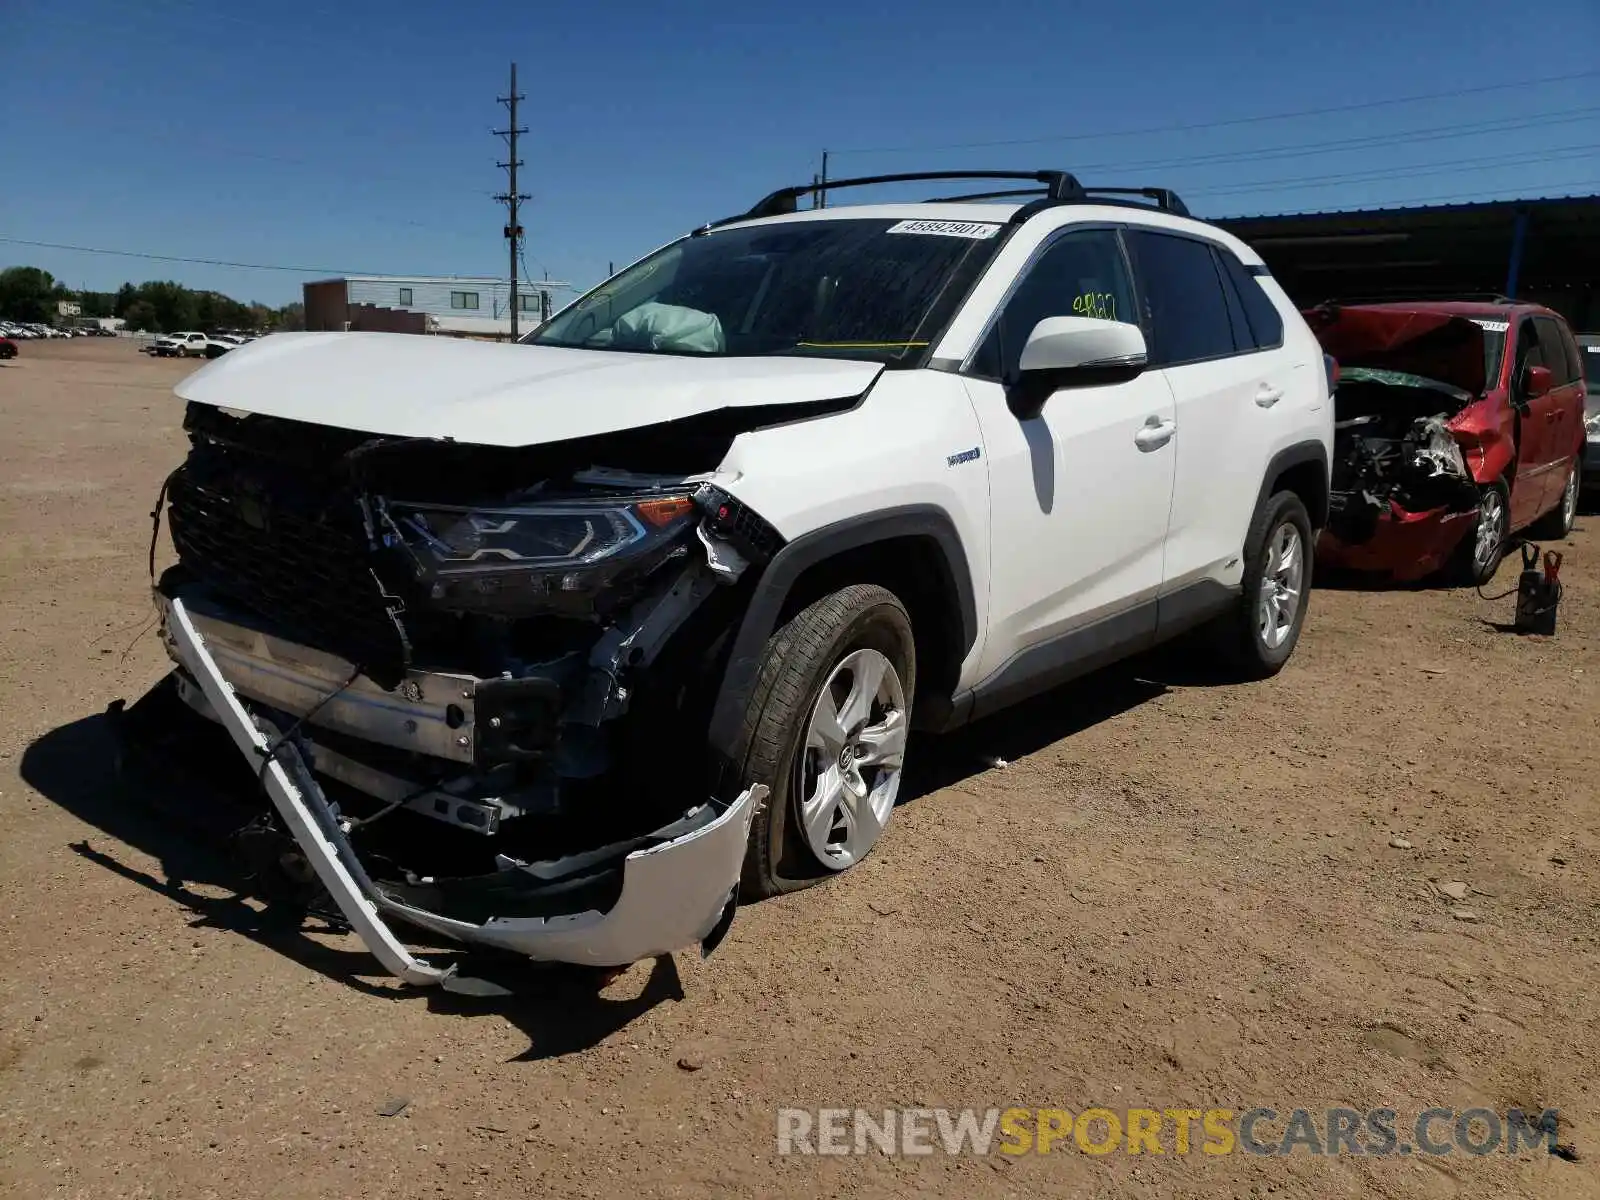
x: 976, y: 230
x: 1493, y: 326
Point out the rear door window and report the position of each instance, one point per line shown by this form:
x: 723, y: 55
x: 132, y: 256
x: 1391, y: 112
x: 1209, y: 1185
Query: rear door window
x: 1266, y: 322
x: 1553, y: 351
x: 1184, y: 305
x: 1244, y: 339
x: 1574, y: 355
x: 1529, y: 352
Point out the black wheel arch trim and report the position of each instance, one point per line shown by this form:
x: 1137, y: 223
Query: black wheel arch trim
x: 1309, y: 451
x: 806, y: 551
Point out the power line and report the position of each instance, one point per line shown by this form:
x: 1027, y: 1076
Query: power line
x: 1304, y: 149
x: 333, y: 272
x: 1358, y: 106
x: 1485, y: 197
x: 178, y: 258
x: 1418, y: 171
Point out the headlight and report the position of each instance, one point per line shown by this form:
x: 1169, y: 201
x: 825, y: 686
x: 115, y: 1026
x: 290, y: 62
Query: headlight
x: 496, y: 557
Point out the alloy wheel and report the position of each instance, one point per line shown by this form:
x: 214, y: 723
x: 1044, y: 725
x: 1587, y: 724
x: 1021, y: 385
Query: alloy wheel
x: 1569, y: 500
x: 1492, y: 521
x: 849, y: 767
x: 1282, y: 584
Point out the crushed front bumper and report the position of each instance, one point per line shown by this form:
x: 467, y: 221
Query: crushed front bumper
x: 1404, y: 545
x: 677, y: 887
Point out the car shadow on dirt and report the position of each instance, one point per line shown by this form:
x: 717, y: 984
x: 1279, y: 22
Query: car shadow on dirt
x: 562, y: 1010
x: 1026, y: 728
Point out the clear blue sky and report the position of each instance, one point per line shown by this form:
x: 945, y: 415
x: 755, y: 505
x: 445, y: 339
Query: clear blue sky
x: 356, y: 136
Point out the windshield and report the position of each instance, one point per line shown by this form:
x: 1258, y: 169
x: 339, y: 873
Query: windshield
x: 847, y: 288
x: 1403, y: 379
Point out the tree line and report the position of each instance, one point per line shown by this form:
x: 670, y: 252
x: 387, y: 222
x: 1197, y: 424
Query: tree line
x: 155, y: 306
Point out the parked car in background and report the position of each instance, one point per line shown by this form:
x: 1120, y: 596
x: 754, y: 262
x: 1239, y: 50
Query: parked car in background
x: 216, y: 345
x: 8, y: 348
x: 188, y: 344
x: 1590, y: 358
x: 1457, y: 425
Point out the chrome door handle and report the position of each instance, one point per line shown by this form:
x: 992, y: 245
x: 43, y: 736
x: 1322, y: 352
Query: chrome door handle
x: 1268, y: 395
x: 1155, y: 434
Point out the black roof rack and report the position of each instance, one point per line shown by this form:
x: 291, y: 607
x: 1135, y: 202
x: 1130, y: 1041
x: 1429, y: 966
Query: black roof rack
x: 1058, y: 187
x: 1166, y: 199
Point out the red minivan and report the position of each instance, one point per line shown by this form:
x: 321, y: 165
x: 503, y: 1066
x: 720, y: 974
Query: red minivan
x: 1457, y: 425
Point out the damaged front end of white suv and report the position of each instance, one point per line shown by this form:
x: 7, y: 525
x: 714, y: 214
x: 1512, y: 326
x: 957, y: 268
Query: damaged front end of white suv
x: 472, y: 679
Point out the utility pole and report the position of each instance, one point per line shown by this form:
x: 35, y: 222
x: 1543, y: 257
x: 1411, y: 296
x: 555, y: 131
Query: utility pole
x: 822, y: 192
x: 512, y: 198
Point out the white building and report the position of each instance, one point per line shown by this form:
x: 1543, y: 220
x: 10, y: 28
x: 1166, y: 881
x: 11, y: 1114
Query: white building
x: 458, y: 305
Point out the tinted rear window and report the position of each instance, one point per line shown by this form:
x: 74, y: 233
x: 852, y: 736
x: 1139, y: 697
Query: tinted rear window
x: 1554, y: 351
x: 1266, y: 322
x: 1184, y: 302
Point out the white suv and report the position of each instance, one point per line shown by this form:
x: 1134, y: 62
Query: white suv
x: 644, y: 608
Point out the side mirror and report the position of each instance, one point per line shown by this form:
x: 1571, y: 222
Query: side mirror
x: 1535, y: 381
x: 1074, y: 352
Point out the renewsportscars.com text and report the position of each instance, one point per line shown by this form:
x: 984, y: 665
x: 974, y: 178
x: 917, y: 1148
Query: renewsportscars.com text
x: 1378, y: 1132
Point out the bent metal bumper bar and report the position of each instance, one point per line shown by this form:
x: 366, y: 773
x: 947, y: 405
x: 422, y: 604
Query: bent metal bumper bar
x: 673, y: 894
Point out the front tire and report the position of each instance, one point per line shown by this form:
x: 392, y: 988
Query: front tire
x: 1478, y: 557
x: 1257, y: 638
x: 826, y: 732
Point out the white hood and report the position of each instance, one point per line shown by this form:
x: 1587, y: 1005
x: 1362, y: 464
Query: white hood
x: 498, y: 394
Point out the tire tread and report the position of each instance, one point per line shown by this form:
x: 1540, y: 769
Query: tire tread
x: 778, y: 700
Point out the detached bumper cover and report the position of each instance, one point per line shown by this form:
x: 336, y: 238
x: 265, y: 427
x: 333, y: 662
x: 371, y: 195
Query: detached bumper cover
x: 674, y: 893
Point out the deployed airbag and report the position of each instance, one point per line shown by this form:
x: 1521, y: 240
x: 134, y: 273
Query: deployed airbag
x: 669, y: 327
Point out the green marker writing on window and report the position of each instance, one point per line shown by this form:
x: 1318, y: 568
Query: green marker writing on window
x: 1095, y: 304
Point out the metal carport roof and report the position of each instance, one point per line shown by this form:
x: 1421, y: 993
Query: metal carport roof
x: 1546, y: 250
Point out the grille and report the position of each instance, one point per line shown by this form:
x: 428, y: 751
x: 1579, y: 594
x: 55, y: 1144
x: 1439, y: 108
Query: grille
x: 305, y: 574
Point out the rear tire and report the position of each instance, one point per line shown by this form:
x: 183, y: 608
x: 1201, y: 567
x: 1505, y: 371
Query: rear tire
x: 1557, y: 523
x: 840, y: 643
x: 1256, y: 639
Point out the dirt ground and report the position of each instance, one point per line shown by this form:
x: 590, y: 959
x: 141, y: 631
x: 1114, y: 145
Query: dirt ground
x: 1176, y: 895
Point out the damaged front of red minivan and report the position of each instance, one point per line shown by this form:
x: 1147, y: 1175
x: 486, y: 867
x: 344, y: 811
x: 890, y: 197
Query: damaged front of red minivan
x: 1429, y: 418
